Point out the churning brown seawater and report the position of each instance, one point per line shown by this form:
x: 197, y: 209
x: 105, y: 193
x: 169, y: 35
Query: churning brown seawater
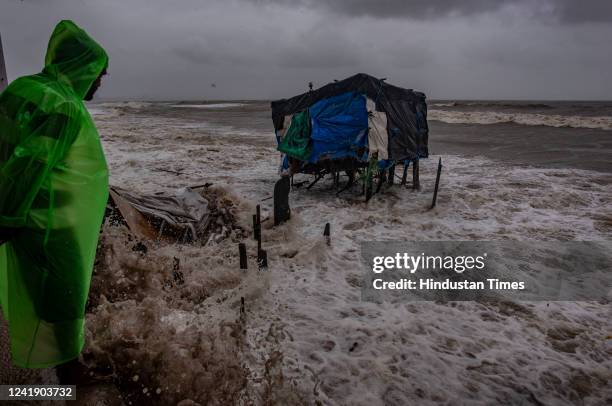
x: 306, y: 337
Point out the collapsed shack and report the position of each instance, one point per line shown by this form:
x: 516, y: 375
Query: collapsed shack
x: 185, y: 217
x: 361, y: 126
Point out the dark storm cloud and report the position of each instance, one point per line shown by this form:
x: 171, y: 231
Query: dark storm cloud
x: 575, y: 11
x: 162, y: 49
x: 561, y: 10
x: 396, y: 8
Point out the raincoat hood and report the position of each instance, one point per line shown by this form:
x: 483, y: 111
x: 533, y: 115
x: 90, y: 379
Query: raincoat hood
x: 74, y: 57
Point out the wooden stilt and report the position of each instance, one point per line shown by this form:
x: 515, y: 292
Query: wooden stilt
x: 435, y: 195
x: 416, y: 184
x: 317, y: 178
x: 405, y: 175
x: 381, y: 180
x: 327, y: 234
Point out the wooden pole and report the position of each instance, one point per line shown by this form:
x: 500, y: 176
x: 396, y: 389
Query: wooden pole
x: 391, y: 178
x: 242, y: 310
x: 416, y: 184
x: 282, y: 211
x: 262, y: 260
x: 3, y: 78
x: 381, y: 180
x: 259, y: 243
x: 257, y: 224
x: 327, y: 234
x: 435, y: 196
x: 405, y: 175
x: 243, y: 256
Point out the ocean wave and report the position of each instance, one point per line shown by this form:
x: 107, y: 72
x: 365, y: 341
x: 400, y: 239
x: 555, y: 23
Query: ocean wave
x: 208, y: 106
x: 491, y: 117
x: 495, y: 105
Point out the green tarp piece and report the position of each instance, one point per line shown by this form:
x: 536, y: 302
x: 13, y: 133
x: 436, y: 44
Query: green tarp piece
x: 296, y: 143
x: 53, y: 193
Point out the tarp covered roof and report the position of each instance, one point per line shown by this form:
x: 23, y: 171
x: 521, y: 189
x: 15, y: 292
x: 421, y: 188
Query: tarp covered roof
x: 405, y: 108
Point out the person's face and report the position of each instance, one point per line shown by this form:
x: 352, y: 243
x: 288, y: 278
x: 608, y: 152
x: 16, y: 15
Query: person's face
x: 94, y: 86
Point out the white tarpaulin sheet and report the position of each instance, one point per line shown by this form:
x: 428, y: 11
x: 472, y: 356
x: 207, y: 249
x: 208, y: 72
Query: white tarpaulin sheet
x: 378, y: 141
x: 184, y: 216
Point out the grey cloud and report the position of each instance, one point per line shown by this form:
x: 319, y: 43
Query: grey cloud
x: 575, y: 11
x: 571, y: 11
x: 395, y: 8
x: 320, y: 47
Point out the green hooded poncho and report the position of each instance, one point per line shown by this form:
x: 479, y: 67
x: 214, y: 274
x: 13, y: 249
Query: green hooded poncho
x: 53, y: 193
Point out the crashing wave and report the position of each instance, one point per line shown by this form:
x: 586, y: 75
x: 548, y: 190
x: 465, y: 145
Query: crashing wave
x: 491, y: 117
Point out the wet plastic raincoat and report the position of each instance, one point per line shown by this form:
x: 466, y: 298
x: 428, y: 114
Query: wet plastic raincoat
x: 53, y: 193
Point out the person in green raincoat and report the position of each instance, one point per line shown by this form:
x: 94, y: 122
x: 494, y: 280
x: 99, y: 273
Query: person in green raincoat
x: 53, y: 193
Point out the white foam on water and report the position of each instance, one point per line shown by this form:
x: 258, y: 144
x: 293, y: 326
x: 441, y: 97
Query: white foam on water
x: 449, y: 104
x: 208, y: 106
x: 491, y: 117
x: 307, y: 337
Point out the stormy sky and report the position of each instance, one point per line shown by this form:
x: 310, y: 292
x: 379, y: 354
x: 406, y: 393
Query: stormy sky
x: 263, y: 49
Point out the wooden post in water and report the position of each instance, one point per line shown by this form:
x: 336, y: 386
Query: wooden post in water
x: 3, y: 78
x: 435, y: 196
x: 262, y: 259
x: 257, y: 224
x: 243, y: 256
x: 282, y: 212
x: 416, y: 184
x: 327, y: 234
x: 242, y: 312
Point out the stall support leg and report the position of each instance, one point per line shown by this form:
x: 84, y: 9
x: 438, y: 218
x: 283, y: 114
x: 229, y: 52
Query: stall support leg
x: 416, y: 184
x: 405, y: 175
x: 435, y: 195
x: 391, y: 179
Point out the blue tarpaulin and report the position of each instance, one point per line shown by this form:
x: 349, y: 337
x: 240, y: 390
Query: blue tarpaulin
x: 339, y: 127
